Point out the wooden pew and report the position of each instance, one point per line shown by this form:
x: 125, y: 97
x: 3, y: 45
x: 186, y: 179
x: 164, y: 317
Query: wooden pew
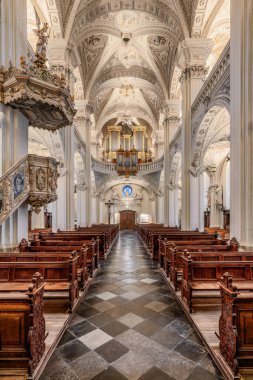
x: 176, y: 265
x: 59, y: 246
x: 22, y: 327
x: 201, y: 277
x: 61, y: 278
x: 83, y: 237
x: 236, y: 325
x: 82, y: 265
x: 155, y: 237
x: 165, y: 246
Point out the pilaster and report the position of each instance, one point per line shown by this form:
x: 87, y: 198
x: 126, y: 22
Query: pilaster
x: 13, y: 125
x: 83, y: 122
x: 241, y: 137
x: 192, y: 56
x: 171, y: 124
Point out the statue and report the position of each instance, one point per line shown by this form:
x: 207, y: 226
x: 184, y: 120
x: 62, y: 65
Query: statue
x: 219, y: 196
x: 41, y: 46
x: 41, y: 179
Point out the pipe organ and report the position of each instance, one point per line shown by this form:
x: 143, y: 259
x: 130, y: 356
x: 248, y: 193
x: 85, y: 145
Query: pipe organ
x: 122, y: 137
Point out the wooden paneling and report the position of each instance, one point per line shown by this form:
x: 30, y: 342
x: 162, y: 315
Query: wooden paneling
x: 127, y: 220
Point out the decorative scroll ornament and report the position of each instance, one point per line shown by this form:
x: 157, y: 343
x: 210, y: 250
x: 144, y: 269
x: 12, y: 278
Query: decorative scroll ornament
x: 43, y: 181
x: 33, y: 178
x: 37, y: 328
x: 227, y: 329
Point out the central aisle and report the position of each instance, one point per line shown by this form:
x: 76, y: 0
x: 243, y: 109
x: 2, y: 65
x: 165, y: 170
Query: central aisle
x: 130, y: 327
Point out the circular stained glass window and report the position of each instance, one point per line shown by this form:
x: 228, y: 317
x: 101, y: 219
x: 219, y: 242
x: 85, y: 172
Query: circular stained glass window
x: 127, y: 191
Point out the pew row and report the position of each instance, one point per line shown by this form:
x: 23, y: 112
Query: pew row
x: 200, y: 278
x: 60, y: 276
x: 86, y: 262
x: 22, y: 328
x: 166, y: 248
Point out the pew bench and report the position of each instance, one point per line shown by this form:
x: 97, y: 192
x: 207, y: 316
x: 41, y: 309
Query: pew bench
x: 165, y: 249
x: 176, y: 265
x: 22, y: 327
x: 60, y: 276
x: 82, y: 265
x: 200, y: 278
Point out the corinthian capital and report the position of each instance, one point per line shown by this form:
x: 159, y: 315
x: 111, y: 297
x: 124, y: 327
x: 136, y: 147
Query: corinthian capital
x: 171, y: 111
x: 193, y: 52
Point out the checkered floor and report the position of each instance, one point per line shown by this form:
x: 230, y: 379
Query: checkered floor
x: 130, y: 327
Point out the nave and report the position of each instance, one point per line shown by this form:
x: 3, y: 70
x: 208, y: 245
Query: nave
x: 130, y: 326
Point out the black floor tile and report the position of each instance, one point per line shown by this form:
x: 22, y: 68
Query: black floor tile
x: 87, y: 312
x: 72, y: 351
x: 147, y: 328
x: 112, y: 350
x: 66, y: 338
x: 202, y: 374
x: 82, y: 328
x: 101, y: 320
x: 155, y: 373
x: 191, y: 350
x: 114, y: 328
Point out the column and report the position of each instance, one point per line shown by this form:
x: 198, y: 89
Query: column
x: 83, y: 122
x: 171, y: 124
x: 241, y: 136
x: 102, y: 212
x: 192, y: 56
x: 69, y: 162
x: 173, y: 207
x: 13, y: 125
x: 81, y: 205
x: 59, y: 219
x: 93, y: 214
x: 152, y: 206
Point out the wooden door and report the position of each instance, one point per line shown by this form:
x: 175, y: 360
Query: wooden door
x: 127, y: 220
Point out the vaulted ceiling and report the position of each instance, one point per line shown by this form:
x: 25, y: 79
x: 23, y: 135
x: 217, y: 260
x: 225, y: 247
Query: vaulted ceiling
x: 124, y: 51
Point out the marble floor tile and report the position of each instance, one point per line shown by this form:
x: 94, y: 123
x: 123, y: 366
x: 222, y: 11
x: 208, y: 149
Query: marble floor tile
x: 110, y: 374
x: 81, y: 328
x: 106, y: 296
x: 155, y: 373
x: 114, y: 328
x: 95, y: 339
x: 148, y: 280
x: 130, y: 295
x: 130, y: 320
x: 112, y: 351
x: 88, y: 366
x: 103, y: 306
x: 156, y: 306
x: 130, y: 327
x: 72, y: 351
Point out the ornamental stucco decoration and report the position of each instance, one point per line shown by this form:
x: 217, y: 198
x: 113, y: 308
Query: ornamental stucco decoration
x: 22, y: 183
x: 41, y: 96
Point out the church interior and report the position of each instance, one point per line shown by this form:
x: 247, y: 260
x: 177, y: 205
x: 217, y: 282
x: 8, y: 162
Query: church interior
x: 126, y: 192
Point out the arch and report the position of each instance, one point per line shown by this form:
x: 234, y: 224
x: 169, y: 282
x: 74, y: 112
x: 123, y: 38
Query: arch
x: 215, y: 126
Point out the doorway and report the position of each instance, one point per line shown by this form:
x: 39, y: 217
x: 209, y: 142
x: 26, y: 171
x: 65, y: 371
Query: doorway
x: 127, y: 220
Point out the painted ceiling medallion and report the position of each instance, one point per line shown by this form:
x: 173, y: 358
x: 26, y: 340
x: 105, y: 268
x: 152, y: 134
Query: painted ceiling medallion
x: 127, y: 20
x: 128, y: 56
